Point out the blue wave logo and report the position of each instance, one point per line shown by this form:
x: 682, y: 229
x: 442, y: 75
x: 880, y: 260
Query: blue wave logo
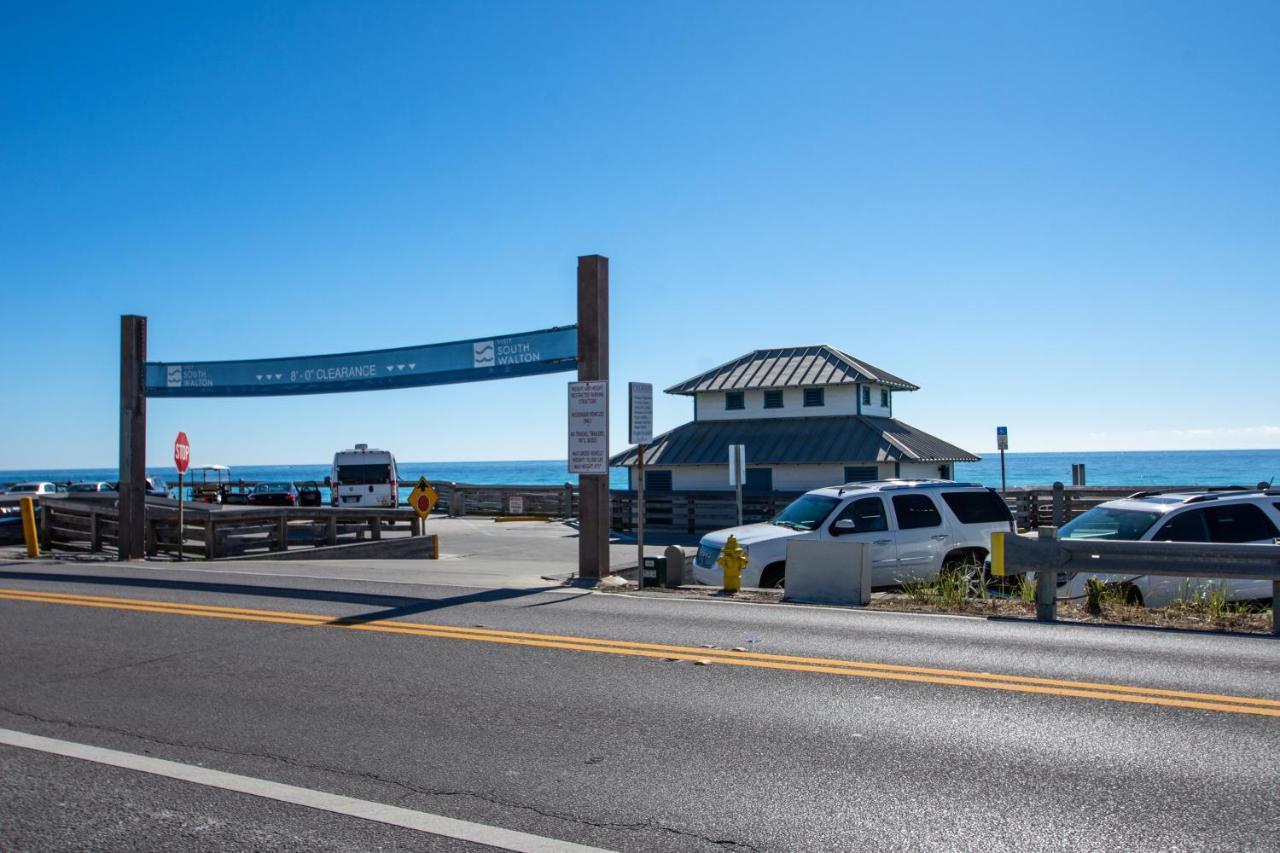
x: 482, y: 354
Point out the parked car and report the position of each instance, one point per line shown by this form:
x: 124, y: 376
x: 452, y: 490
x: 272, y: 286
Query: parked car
x: 237, y: 493
x: 156, y: 487
x: 274, y: 494
x: 30, y: 489
x: 309, y: 494
x: 364, y: 477
x: 1231, y: 516
x: 915, y: 529
x: 93, y: 487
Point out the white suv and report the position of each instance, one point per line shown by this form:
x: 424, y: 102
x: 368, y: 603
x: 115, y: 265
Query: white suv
x: 1225, y: 516
x: 915, y: 528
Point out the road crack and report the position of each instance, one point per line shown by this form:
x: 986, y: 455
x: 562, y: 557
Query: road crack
x: 409, y: 788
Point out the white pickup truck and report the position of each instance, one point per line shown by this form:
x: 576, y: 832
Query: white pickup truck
x: 915, y: 528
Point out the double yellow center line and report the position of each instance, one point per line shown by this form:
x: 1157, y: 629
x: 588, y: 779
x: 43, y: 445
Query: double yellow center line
x: 789, y: 663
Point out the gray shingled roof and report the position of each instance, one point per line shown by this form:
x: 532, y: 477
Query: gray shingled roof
x: 790, y: 367
x: 779, y: 441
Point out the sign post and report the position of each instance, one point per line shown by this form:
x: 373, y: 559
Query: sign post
x: 593, y: 366
x: 1002, y: 444
x: 738, y: 472
x: 181, y: 459
x: 640, y: 418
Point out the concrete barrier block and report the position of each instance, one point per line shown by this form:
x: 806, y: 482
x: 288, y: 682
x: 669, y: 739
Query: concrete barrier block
x: 831, y: 572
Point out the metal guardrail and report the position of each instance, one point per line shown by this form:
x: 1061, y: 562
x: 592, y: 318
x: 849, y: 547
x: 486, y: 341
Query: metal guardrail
x: 1046, y: 556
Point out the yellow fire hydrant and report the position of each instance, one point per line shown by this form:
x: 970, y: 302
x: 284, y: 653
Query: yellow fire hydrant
x: 732, y: 559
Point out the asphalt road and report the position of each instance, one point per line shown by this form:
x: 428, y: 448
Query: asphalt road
x: 508, y: 708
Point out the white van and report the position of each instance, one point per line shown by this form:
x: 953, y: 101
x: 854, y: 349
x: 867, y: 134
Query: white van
x: 364, y: 477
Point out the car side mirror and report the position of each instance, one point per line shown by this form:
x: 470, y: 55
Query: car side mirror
x: 327, y: 481
x: 843, y: 526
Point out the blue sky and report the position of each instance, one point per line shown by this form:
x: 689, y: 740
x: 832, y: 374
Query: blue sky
x: 1060, y: 217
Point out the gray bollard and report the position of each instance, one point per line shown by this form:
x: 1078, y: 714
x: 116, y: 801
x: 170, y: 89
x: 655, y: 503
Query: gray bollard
x: 675, y: 566
x: 1046, y: 583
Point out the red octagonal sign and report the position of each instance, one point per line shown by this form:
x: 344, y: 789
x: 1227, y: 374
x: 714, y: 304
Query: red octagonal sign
x: 181, y: 452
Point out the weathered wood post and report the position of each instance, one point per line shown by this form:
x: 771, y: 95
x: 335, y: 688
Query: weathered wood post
x: 375, y: 528
x: 415, y: 526
x: 593, y: 365
x: 95, y: 532
x: 331, y: 530
x: 1047, y: 581
x: 282, y: 532
x: 1059, y: 504
x: 210, y: 537
x: 133, y: 436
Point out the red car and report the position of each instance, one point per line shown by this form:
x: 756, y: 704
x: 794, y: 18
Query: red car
x: 274, y: 494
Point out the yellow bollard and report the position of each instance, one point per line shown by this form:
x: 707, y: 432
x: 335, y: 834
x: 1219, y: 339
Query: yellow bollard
x: 29, y: 527
x: 997, y: 554
x: 732, y: 559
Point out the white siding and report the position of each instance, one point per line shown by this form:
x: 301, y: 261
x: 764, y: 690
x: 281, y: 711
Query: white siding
x: 922, y: 470
x: 838, y: 400
x: 786, y: 478
x: 874, y: 409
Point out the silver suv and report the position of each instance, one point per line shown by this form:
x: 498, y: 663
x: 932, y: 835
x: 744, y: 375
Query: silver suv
x: 1225, y: 516
x: 915, y: 528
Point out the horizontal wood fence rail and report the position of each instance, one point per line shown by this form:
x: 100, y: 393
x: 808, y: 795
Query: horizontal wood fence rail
x: 212, y: 532
x: 459, y: 499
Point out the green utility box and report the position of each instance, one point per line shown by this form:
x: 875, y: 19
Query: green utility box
x: 654, y: 571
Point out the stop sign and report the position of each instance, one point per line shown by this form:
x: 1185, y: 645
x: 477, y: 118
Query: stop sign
x: 181, y: 452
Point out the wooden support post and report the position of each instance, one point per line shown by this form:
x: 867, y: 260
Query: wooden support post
x: 133, y: 436
x: 331, y: 530
x: 95, y: 532
x: 375, y: 528
x: 282, y: 532
x: 1059, y: 504
x: 1047, y: 582
x: 210, y: 537
x: 152, y: 547
x: 415, y: 526
x: 593, y: 364
x: 566, y: 501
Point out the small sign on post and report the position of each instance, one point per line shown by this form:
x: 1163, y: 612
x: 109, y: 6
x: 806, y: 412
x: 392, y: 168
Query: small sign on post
x: 1002, y: 444
x: 738, y: 472
x: 423, y: 498
x: 589, y: 427
x: 181, y: 459
x: 640, y: 433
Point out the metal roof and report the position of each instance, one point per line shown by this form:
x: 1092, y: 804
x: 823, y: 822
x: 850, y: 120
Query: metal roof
x: 790, y: 367
x: 797, y: 441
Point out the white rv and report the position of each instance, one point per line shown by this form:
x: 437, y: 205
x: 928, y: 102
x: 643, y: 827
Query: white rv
x: 364, y: 477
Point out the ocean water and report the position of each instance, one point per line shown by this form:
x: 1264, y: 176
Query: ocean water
x: 1129, y: 468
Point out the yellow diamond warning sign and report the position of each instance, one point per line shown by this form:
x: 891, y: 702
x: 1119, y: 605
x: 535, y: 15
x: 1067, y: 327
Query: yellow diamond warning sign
x: 423, y: 498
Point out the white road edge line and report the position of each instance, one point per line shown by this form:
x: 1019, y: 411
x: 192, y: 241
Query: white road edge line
x: 479, y: 833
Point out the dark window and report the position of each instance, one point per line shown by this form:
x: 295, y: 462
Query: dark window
x: 859, y: 473
x: 884, y: 398
x: 977, y: 507
x: 866, y: 396
x: 1239, y: 523
x: 915, y: 511
x: 1184, y: 527
x: 773, y: 399
x: 759, y: 480
x: 815, y: 397
x: 364, y: 475
x: 657, y: 481
x: 734, y: 400
x: 868, y: 515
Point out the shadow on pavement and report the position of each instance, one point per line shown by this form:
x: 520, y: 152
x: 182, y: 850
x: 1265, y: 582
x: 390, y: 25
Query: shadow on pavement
x: 392, y: 606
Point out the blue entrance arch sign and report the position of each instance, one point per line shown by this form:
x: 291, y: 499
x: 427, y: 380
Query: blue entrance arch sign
x: 473, y: 360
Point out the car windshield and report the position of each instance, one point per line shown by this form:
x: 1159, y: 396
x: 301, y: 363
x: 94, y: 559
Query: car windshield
x: 272, y: 487
x: 83, y: 487
x: 25, y: 487
x: 805, y: 513
x: 1103, y: 522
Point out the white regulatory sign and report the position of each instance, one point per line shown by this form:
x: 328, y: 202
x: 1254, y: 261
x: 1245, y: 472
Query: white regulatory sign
x: 640, y: 395
x: 589, y: 427
x: 737, y: 464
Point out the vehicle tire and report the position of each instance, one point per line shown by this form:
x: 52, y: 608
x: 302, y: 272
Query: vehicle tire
x: 774, y: 576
